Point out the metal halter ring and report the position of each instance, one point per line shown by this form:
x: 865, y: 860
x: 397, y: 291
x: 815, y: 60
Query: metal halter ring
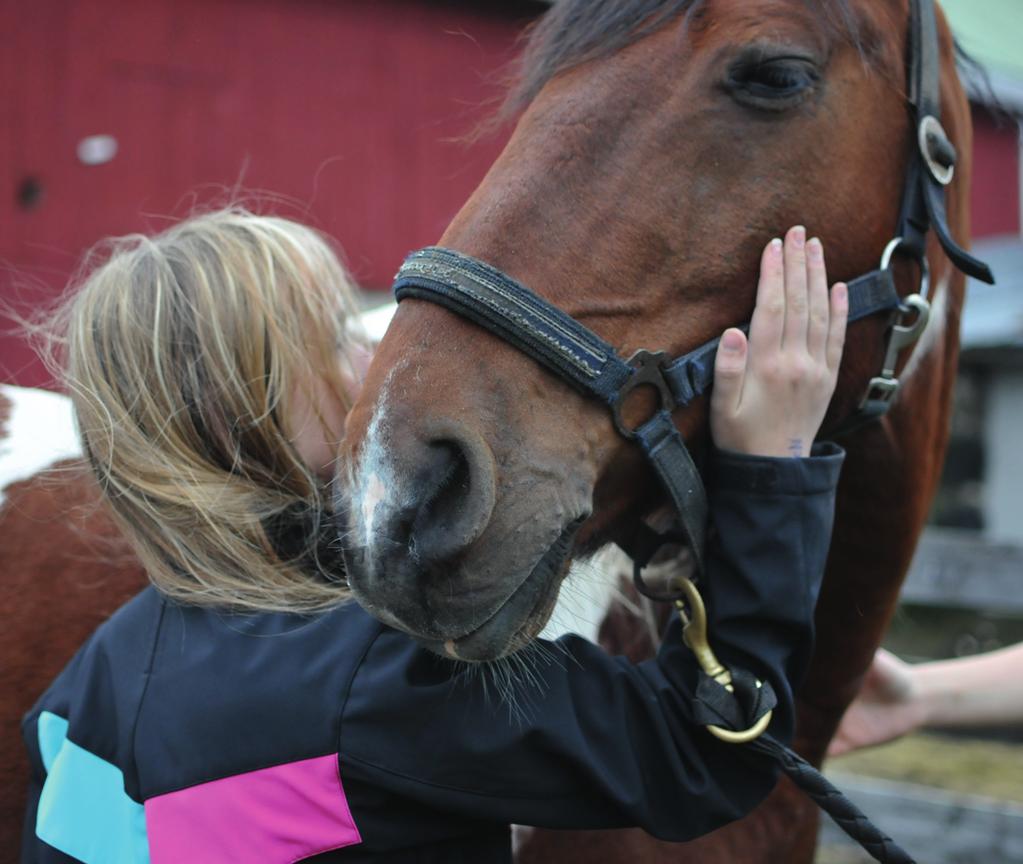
x: 648, y: 366
x: 897, y: 244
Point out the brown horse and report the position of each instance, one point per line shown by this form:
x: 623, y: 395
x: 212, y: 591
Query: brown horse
x: 66, y: 566
x: 65, y: 569
x: 663, y: 144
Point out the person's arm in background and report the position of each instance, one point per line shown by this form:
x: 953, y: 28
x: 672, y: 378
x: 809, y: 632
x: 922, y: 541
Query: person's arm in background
x: 897, y: 697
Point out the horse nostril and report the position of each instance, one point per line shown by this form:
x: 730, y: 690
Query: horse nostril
x: 439, y: 509
x: 454, y: 502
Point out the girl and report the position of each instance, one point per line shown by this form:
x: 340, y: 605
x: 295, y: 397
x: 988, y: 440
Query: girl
x: 242, y: 711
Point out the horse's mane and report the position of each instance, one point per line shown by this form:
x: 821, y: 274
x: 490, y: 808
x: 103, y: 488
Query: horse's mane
x: 575, y: 31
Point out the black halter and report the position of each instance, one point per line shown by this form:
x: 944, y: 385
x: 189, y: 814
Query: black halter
x: 511, y: 311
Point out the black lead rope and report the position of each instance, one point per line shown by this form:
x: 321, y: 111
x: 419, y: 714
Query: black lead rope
x: 715, y: 705
x: 730, y: 703
x: 846, y: 815
x: 742, y: 704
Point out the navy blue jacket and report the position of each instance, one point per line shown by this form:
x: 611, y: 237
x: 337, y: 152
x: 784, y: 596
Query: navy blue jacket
x: 188, y: 734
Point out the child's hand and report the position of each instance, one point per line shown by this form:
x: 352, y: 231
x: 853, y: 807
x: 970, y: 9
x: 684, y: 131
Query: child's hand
x: 769, y: 397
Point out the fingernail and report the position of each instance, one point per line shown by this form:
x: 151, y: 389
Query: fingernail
x: 731, y: 341
x: 841, y: 293
x: 815, y: 250
x: 798, y: 236
x: 776, y: 246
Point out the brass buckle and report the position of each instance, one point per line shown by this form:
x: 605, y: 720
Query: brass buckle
x: 694, y: 634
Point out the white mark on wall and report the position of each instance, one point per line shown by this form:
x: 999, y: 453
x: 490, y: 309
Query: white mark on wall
x: 97, y: 149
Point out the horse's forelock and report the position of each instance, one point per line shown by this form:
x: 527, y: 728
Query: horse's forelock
x: 575, y: 31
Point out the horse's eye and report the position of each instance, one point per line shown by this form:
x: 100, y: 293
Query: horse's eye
x: 772, y: 83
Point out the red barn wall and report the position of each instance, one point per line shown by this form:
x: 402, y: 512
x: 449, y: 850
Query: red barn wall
x: 995, y: 198
x: 348, y: 112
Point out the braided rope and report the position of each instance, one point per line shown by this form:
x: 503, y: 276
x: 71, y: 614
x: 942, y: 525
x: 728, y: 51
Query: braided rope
x: 845, y: 814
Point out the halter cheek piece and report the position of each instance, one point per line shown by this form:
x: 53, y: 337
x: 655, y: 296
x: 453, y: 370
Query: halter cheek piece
x: 509, y: 310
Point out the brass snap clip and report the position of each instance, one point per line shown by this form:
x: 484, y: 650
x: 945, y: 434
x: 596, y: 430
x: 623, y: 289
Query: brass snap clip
x: 694, y: 633
x: 914, y: 310
x: 908, y: 323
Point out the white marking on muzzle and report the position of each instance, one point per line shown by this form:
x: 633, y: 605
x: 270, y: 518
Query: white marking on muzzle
x: 373, y: 482
x: 39, y: 432
x: 373, y: 496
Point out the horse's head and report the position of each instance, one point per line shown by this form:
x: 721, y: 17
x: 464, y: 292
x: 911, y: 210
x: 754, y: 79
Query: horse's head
x: 663, y: 145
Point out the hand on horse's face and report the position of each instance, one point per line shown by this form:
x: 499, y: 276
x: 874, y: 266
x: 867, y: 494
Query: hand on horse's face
x: 770, y: 393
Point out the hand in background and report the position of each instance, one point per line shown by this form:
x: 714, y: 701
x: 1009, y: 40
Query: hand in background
x: 888, y: 705
x: 968, y: 692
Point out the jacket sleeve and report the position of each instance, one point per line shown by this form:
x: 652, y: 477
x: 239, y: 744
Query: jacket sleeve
x: 565, y: 736
x: 56, y: 702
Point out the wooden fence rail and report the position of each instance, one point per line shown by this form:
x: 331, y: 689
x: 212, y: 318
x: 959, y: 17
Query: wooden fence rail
x: 935, y: 826
x: 960, y: 569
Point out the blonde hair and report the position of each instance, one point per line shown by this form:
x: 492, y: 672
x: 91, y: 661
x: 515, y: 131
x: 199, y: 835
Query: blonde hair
x: 181, y: 353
